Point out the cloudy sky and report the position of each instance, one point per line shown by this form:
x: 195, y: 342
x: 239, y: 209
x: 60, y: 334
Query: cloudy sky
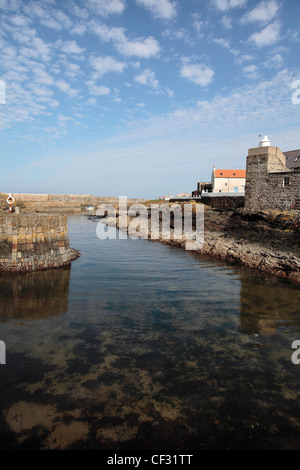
x: 142, y: 97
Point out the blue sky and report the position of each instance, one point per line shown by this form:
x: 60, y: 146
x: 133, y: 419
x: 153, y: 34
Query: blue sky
x: 142, y: 97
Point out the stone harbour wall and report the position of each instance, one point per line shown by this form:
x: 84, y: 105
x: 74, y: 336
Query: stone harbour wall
x: 30, y: 242
x: 223, y: 202
x: 67, y: 198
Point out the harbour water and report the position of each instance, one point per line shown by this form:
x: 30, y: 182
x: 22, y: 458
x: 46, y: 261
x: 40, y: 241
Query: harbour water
x: 140, y: 345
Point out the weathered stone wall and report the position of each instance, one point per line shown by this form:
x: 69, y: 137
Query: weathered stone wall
x: 265, y: 181
x: 223, y: 202
x: 34, y: 242
x: 27, y: 197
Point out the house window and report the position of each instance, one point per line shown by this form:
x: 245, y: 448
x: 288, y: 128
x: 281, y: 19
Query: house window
x: 286, y: 181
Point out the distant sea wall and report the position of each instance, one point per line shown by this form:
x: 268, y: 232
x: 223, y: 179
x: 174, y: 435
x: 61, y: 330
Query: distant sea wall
x: 33, y: 242
x: 66, y: 198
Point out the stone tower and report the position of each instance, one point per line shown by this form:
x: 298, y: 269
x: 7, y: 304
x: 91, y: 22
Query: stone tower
x: 269, y: 183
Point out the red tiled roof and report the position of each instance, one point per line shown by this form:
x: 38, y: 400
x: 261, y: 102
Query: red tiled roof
x: 230, y: 173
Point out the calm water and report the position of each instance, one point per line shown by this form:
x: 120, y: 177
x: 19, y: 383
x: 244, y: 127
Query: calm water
x: 144, y: 346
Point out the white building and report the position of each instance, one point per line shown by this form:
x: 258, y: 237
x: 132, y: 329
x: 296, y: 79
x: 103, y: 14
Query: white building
x: 228, y: 181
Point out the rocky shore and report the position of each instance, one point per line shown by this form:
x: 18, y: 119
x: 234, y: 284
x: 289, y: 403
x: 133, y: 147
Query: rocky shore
x: 268, y: 241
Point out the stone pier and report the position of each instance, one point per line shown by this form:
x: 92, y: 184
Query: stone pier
x: 31, y: 242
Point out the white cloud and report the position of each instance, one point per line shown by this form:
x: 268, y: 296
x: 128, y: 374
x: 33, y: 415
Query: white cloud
x: 105, y: 33
x: 34, y: 9
x: 164, y: 9
x: 226, y: 44
x: 9, y: 51
x: 225, y: 5
x: 275, y: 61
x: 70, y: 47
x: 227, y: 114
x: 222, y: 42
x: 51, y: 23
x: 115, y: 95
x: 19, y: 21
x: 198, y: 24
x: 106, y: 64
x: 139, y: 47
x: 200, y: 74
x: 265, y: 11
x: 41, y: 48
x: 51, y: 17
x: 244, y: 58
x: 9, y: 5
x: 224, y: 127
x: 251, y: 71
x: 79, y: 28
x: 180, y: 34
x: 106, y: 7
x: 169, y: 92
x: 65, y: 87
x: 80, y: 12
x: 267, y: 36
x: 62, y: 120
x: 147, y: 78
x: 226, y: 22
x: 42, y: 91
x: 72, y: 70
x: 144, y: 48
x: 42, y: 77
x: 28, y: 52
x: 97, y: 90
x: 62, y: 19
x: 23, y: 35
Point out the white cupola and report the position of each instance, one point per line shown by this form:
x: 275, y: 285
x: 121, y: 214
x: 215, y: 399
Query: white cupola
x: 265, y: 142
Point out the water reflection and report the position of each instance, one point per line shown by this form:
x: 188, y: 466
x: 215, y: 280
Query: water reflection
x: 267, y: 304
x: 34, y: 295
x: 156, y: 351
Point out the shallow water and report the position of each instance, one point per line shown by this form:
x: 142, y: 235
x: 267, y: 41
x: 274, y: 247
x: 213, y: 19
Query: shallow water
x: 144, y: 346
